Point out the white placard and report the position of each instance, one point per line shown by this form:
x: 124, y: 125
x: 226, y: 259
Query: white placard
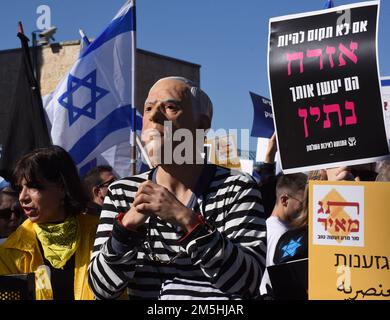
x: 386, y: 103
x: 247, y: 166
x: 262, y: 144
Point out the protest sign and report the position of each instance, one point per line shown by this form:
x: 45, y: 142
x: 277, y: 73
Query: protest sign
x: 385, y: 81
x: 262, y: 144
x: 348, y: 240
x: 326, y: 98
x: 223, y: 151
x: 246, y: 166
x: 263, y: 120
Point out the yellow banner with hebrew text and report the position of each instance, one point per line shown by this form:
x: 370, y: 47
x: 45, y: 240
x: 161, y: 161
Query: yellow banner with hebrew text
x: 349, y: 247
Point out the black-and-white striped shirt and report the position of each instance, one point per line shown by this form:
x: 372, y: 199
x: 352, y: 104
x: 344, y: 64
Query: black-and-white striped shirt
x: 225, y: 262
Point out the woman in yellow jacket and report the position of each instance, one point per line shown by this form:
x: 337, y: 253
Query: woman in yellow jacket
x: 56, y: 240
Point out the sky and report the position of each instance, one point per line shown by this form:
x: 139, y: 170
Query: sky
x: 227, y: 38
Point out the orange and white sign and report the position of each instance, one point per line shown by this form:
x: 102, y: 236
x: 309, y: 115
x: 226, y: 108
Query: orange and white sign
x: 338, y: 215
x: 349, y: 252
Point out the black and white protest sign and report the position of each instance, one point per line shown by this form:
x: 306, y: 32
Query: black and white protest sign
x: 325, y: 88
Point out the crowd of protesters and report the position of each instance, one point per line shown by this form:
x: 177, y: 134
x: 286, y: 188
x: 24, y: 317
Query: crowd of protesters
x: 177, y: 231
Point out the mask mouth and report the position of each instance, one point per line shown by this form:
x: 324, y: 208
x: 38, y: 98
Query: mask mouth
x: 153, y: 149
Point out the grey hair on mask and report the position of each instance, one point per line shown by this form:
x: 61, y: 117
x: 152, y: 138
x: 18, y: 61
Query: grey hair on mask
x: 200, y: 101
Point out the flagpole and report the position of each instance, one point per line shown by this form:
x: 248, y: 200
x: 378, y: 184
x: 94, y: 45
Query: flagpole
x: 84, y: 37
x: 143, y: 151
x: 133, y: 156
x: 139, y: 143
x: 138, y: 140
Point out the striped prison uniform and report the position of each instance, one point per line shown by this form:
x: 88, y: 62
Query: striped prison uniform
x: 225, y: 261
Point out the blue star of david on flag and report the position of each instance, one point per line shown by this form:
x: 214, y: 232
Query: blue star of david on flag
x: 291, y: 248
x: 89, y: 109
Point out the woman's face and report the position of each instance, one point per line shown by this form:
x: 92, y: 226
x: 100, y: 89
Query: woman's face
x: 42, y: 203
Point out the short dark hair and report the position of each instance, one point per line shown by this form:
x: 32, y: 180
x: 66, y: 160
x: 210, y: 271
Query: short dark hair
x: 55, y: 165
x: 290, y: 183
x: 92, y: 178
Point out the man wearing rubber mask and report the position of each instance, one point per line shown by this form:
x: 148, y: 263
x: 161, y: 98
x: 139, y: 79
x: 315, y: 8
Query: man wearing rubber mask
x: 185, y: 229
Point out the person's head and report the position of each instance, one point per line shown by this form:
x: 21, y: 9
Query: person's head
x: 290, y: 196
x: 4, y: 183
x: 383, y: 171
x: 11, y: 214
x: 265, y: 171
x: 178, y: 100
x: 301, y: 218
x: 318, y: 175
x: 49, y: 184
x: 96, y: 183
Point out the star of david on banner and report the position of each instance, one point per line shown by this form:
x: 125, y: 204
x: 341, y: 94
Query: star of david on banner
x: 291, y: 248
x: 89, y: 109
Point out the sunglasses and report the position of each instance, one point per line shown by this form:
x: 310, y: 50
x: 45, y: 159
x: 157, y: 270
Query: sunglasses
x: 300, y: 201
x: 7, y: 213
x: 105, y: 184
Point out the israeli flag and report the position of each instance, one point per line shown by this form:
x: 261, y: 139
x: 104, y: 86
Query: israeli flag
x: 90, y: 112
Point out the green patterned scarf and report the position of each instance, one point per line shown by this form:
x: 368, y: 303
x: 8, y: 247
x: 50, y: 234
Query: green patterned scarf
x: 59, y: 241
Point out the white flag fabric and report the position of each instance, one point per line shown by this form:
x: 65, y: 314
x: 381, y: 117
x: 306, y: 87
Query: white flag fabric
x: 90, y: 112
